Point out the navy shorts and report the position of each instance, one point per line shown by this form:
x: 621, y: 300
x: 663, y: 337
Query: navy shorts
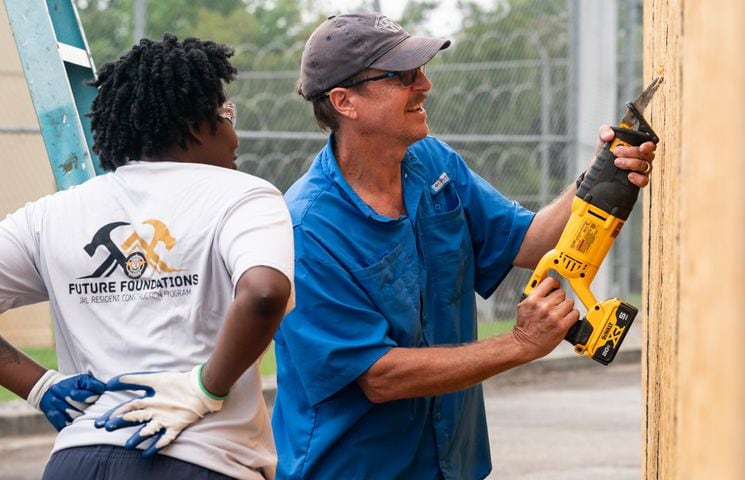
x: 99, y: 462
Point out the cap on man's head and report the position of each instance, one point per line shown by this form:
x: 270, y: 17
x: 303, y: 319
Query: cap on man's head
x: 345, y: 45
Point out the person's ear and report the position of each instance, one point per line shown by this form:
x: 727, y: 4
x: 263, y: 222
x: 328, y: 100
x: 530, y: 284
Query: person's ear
x: 344, y: 101
x: 195, y: 133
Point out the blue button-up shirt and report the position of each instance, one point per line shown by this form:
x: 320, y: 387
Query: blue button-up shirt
x: 366, y: 283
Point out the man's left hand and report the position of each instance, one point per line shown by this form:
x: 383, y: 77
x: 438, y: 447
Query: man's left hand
x: 636, y: 159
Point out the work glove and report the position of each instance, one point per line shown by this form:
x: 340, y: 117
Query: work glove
x: 62, y: 398
x: 171, y: 402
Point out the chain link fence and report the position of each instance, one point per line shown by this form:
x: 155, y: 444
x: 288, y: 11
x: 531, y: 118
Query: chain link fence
x: 502, y: 97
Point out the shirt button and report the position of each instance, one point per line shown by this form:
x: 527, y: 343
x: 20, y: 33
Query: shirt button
x: 437, y: 206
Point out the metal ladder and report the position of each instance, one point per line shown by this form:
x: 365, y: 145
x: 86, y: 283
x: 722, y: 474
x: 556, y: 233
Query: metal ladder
x: 57, y: 64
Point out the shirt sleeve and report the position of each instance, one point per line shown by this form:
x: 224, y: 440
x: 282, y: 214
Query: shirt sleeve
x: 257, y: 231
x: 335, y: 333
x: 21, y: 282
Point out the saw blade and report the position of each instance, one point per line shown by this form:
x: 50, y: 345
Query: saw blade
x: 642, y: 101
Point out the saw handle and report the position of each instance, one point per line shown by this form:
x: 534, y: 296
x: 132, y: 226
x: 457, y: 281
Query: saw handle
x: 605, y: 185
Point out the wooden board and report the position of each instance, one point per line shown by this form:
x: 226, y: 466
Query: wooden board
x: 693, y: 388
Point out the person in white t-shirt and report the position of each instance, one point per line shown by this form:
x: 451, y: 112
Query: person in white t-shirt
x: 169, y: 266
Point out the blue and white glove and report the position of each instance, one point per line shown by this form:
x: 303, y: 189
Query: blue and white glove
x: 172, y: 402
x: 62, y: 398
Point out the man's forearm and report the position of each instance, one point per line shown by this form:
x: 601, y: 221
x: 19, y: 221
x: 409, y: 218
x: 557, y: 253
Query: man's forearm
x: 549, y: 222
x: 545, y: 229
x: 419, y: 372
x: 543, y: 319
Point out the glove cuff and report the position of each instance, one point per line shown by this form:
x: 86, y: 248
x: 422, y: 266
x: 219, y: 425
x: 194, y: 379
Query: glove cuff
x: 211, y: 401
x: 49, y: 378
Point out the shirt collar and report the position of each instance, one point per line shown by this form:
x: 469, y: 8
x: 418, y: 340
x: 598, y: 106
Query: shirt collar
x: 414, y: 178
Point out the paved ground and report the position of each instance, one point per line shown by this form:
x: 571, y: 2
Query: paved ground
x: 23, y: 458
x: 569, y: 419
x: 582, y: 424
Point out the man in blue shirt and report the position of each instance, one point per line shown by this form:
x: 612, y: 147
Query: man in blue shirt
x: 379, y: 367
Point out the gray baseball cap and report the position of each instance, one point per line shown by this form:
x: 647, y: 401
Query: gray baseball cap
x: 345, y: 45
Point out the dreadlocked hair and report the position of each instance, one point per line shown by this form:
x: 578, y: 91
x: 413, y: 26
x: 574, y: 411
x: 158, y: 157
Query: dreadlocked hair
x: 148, y: 98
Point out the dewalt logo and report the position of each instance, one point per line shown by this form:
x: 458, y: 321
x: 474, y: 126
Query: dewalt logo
x: 612, y: 332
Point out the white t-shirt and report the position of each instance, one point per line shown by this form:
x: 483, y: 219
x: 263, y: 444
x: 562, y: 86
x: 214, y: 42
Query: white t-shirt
x: 139, y: 266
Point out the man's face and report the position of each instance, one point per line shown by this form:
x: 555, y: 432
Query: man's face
x: 394, y: 111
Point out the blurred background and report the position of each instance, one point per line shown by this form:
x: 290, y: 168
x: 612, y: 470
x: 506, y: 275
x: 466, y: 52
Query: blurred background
x: 508, y: 94
x: 520, y: 93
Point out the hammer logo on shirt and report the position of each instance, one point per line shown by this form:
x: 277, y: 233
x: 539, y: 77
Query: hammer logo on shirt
x: 135, y: 254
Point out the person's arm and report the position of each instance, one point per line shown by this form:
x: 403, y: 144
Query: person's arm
x: 542, y: 321
x: 60, y: 397
x: 260, y: 301
x: 175, y: 400
x: 18, y: 372
x: 20, y: 284
x: 550, y: 221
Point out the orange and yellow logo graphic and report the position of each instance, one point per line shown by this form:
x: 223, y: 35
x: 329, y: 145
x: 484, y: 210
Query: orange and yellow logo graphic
x: 135, y: 254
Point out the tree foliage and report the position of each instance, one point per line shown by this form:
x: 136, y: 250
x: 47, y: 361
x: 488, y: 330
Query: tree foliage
x: 249, y: 26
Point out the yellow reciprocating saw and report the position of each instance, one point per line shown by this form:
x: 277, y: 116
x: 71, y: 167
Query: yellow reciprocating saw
x: 604, y: 200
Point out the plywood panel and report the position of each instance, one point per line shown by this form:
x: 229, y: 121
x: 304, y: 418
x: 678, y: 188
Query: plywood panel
x: 694, y: 392
x: 661, y: 259
x: 711, y: 403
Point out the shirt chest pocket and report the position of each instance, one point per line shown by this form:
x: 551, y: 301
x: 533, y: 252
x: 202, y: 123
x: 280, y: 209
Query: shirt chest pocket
x: 392, y: 283
x: 446, y: 244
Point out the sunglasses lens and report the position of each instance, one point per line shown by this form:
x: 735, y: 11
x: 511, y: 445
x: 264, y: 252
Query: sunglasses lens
x: 409, y: 77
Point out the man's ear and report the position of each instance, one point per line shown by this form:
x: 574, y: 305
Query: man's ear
x: 343, y: 101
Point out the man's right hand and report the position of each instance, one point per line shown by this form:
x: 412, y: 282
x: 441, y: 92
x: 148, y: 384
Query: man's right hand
x: 544, y: 318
